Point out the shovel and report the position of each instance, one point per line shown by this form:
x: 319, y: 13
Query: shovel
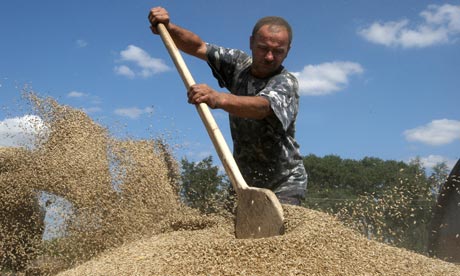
x: 258, y: 212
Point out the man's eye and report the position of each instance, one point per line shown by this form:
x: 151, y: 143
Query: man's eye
x: 263, y: 48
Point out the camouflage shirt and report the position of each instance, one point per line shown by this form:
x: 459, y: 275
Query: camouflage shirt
x: 265, y: 150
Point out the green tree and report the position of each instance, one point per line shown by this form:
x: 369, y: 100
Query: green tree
x: 438, y: 177
x: 325, y: 182
x: 202, y: 186
x: 332, y: 180
x: 389, y: 201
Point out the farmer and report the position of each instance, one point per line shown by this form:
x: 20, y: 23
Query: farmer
x: 262, y: 104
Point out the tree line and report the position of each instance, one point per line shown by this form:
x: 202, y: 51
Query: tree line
x: 386, y: 200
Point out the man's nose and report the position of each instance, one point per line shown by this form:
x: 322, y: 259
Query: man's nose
x: 269, y: 56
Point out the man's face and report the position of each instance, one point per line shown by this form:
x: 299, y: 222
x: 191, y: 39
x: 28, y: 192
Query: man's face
x: 269, y: 47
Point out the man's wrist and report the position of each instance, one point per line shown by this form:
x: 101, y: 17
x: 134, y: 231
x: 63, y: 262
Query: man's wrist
x: 220, y: 100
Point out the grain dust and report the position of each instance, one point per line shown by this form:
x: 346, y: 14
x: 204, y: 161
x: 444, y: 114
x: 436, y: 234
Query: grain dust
x: 124, y: 216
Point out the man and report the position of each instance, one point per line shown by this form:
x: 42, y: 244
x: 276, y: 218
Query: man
x: 262, y: 105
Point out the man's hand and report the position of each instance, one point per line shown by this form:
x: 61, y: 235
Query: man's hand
x: 202, y: 93
x: 158, y: 15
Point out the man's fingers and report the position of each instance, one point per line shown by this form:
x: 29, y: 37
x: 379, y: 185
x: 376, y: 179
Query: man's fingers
x: 195, y: 97
x: 151, y: 15
x: 157, y: 15
x: 200, y: 94
x: 154, y: 29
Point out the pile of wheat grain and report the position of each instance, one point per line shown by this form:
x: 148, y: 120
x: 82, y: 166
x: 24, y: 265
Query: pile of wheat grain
x: 125, y: 217
x: 314, y: 244
x: 119, y: 190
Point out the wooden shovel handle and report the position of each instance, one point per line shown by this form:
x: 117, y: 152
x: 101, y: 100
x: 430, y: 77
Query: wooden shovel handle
x: 214, y: 132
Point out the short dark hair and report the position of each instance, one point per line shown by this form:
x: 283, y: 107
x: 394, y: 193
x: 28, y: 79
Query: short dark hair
x: 273, y: 20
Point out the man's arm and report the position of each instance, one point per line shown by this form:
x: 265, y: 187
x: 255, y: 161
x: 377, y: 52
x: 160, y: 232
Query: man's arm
x: 192, y: 44
x: 185, y: 40
x: 252, y: 107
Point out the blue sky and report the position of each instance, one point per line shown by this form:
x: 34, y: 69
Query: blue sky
x: 377, y: 78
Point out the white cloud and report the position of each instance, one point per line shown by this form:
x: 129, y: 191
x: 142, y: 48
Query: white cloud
x: 197, y: 151
x: 20, y: 131
x: 145, y: 65
x: 81, y: 43
x: 436, y: 133
x: 75, y: 94
x: 441, y: 24
x: 93, y: 100
x: 133, y: 112
x: 93, y: 109
x: 432, y: 160
x: 124, y: 70
x: 447, y: 15
x: 383, y: 33
x: 327, y: 77
x: 198, y: 155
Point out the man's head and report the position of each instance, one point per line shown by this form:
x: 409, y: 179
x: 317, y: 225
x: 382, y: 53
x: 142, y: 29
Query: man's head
x: 274, y: 21
x: 270, y: 43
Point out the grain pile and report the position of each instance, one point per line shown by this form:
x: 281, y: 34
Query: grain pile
x: 315, y: 244
x: 21, y: 220
x: 119, y: 190
x: 126, y: 218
